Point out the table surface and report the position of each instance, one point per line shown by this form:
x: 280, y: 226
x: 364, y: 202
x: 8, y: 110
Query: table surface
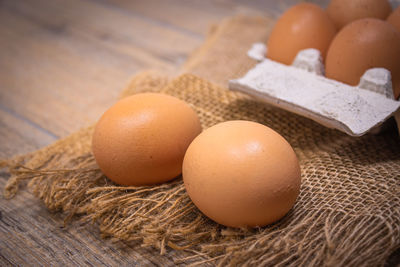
x: 62, y: 64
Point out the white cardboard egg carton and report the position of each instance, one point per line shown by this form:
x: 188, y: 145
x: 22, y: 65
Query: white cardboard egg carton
x: 303, y: 89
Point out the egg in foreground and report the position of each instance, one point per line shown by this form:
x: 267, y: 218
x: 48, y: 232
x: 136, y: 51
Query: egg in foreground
x: 242, y: 173
x: 302, y: 26
x: 143, y: 138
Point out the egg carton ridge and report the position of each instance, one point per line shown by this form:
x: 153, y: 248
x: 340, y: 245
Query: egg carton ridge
x: 303, y: 89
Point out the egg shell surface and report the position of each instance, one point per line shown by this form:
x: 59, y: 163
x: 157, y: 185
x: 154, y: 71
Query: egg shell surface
x: 343, y: 12
x: 143, y: 138
x: 394, y: 18
x: 241, y: 173
x: 302, y: 26
x: 361, y: 45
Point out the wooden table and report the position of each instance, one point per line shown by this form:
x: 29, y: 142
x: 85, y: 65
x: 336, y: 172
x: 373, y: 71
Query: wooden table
x: 62, y: 64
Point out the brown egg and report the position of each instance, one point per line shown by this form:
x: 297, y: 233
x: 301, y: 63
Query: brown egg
x: 361, y: 45
x: 241, y: 173
x: 394, y: 18
x: 302, y: 26
x: 143, y: 138
x: 343, y: 12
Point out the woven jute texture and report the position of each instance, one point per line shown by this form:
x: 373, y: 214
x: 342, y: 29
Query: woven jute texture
x: 347, y: 213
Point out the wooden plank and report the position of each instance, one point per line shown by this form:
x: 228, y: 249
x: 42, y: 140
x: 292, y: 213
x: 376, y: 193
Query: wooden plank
x: 17, y: 135
x: 46, y: 82
x: 85, y: 77
x: 114, y: 26
x: 188, y: 16
x: 275, y: 8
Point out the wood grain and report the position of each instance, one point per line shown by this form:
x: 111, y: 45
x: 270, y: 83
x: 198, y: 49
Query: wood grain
x: 62, y: 63
x: 87, y: 67
x: 17, y: 132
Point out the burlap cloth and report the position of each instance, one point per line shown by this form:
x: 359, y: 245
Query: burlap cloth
x: 347, y: 214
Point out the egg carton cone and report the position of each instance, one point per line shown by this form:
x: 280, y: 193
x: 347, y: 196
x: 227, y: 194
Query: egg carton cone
x: 303, y: 89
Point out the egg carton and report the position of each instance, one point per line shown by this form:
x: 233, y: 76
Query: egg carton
x: 303, y: 89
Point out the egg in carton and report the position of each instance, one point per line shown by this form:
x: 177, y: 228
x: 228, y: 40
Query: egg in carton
x: 303, y: 89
